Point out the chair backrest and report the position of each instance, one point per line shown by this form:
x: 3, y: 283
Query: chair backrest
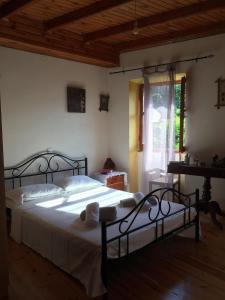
x: 158, y: 173
x: 154, y: 174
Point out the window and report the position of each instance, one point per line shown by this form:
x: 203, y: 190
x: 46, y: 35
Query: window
x: 179, y: 113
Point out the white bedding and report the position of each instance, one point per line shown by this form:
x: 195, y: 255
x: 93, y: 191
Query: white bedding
x: 52, y: 227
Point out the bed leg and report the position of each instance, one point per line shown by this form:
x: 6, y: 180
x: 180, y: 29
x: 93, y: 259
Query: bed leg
x: 104, y: 260
x: 197, y: 238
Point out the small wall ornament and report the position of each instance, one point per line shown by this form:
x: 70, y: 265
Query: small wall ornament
x: 221, y: 92
x: 104, y: 102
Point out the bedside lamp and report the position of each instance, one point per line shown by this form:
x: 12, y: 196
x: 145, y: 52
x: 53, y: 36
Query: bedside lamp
x: 109, y: 166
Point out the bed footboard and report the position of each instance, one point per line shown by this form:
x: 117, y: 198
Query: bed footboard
x: 157, y: 218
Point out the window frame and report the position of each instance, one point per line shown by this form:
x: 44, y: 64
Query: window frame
x: 140, y: 117
x: 182, y: 82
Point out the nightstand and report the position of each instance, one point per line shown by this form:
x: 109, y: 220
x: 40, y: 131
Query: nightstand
x: 114, y: 180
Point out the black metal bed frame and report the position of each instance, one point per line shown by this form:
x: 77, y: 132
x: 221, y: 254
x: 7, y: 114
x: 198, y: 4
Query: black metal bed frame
x: 125, y: 225
x: 45, y: 163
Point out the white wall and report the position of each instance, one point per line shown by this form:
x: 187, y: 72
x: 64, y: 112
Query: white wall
x: 34, y: 116
x: 33, y: 91
x: 205, y: 123
x: 3, y: 234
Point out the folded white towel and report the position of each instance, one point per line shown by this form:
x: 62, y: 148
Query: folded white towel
x: 83, y: 215
x: 105, y: 214
x: 130, y: 202
x: 92, y: 214
x: 138, y: 197
x: 151, y: 201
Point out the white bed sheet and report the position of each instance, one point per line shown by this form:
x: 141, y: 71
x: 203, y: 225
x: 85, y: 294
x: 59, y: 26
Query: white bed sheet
x: 52, y: 227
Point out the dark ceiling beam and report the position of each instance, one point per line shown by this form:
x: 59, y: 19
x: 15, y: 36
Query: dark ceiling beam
x: 172, y: 37
x: 54, y: 45
x: 160, y: 18
x: 11, y: 7
x: 84, y: 12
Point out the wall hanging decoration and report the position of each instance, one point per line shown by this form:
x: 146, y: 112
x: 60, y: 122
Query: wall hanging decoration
x: 221, y: 92
x: 104, y: 102
x: 76, y: 99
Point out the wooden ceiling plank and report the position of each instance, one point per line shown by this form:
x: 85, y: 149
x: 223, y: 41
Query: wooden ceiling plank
x: 13, y: 6
x: 4, y: 41
x: 84, y: 12
x: 172, y: 37
x: 105, y: 56
x: 159, y: 18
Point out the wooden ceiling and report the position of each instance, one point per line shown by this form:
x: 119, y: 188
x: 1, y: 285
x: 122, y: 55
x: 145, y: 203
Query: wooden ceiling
x: 96, y: 32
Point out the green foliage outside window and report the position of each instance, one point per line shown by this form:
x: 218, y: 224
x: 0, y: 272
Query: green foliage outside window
x: 177, y: 114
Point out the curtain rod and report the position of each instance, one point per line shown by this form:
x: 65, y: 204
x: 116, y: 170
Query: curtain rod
x: 164, y: 64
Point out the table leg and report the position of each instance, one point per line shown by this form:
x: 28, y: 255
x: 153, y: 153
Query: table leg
x: 214, y: 209
x: 206, y: 194
x: 208, y: 206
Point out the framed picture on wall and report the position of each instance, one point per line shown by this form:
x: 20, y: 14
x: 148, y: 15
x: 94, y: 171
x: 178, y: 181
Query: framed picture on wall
x: 104, y: 102
x: 221, y: 92
x: 76, y: 100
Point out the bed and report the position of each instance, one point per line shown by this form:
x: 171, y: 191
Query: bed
x: 51, y: 225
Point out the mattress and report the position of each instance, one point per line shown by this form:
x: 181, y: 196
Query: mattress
x: 52, y: 227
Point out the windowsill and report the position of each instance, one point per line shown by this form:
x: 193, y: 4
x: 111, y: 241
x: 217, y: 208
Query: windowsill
x: 176, y: 152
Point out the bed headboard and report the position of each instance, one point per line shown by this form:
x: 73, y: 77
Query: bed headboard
x: 46, y: 165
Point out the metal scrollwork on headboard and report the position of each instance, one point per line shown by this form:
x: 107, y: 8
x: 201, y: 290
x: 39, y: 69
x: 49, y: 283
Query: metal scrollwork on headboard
x: 45, y: 163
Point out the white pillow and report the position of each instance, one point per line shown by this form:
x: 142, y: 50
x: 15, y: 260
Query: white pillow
x: 78, y: 183
x: 29, y: 192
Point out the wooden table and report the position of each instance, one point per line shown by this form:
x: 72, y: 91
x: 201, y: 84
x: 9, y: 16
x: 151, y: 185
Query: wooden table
x: 206, y: 204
